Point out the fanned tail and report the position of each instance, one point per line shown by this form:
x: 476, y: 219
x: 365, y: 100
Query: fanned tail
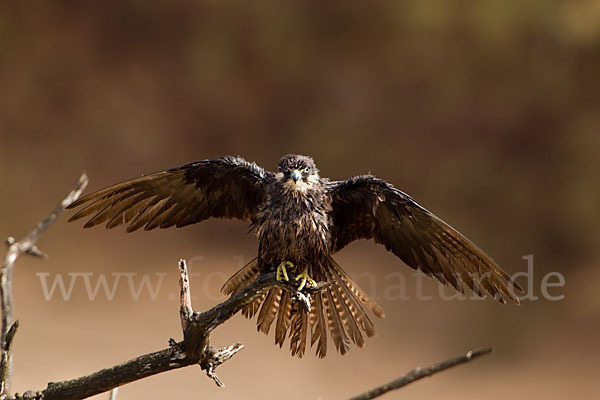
x: 341, y: 308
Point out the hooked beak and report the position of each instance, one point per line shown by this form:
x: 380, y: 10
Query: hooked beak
x: 295, y: 175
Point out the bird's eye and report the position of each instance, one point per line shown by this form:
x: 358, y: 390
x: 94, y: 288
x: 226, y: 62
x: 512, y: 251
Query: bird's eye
x: 306, y: 170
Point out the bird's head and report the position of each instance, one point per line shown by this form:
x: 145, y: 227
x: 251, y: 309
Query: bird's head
x: 297, y: 172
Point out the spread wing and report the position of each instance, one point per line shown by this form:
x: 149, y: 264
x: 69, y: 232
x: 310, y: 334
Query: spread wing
x: 368, y: 208
x: 229, y: 187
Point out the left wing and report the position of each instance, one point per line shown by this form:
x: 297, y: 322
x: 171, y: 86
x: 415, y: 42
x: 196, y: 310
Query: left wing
x: 229, y: 187
x: 365, y: 207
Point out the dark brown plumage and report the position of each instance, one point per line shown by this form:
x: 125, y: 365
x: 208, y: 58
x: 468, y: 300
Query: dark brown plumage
x: 304, y: 219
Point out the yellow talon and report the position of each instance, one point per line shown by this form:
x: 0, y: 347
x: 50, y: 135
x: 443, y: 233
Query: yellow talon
x: 281, y: 271
x: 304, y: 279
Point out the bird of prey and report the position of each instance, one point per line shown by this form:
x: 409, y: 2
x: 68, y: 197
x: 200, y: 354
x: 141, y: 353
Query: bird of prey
x: 300, y: 221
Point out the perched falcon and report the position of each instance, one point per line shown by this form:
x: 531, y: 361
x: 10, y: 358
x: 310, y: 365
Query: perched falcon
x: 300, y: 220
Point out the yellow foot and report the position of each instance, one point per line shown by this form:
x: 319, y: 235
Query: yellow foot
x: 281, y: 271
x: 304, y: 279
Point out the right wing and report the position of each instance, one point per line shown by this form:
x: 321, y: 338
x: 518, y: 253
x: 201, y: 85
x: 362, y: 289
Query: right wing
x: 365, y: 207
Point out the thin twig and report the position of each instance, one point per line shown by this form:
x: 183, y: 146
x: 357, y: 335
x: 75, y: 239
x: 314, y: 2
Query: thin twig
x: 419, y: 373
x: 27, y: 245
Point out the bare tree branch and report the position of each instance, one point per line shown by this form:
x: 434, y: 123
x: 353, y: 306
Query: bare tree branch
x: 194, y: 349
x: 27, y: 245
x: 419, y: 373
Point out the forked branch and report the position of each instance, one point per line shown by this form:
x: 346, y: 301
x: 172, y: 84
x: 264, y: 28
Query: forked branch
x: 195, y: 348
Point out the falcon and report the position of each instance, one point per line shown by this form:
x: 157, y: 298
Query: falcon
x: 300, y: 221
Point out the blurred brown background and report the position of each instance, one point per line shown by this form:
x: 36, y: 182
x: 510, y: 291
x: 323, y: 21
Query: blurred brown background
x: 486, y: 112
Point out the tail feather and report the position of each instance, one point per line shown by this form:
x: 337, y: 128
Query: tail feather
x: 283, y: 318
x: 251, y: 309
x: 340, y: 308
x: 343, y: 306
x: 358, y: 292
x: 319, y: 331
x: 298, y: 334
x: 268, y: 310
x: 354, y: 306
x: 338, y: 335
x: 242, y: 278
